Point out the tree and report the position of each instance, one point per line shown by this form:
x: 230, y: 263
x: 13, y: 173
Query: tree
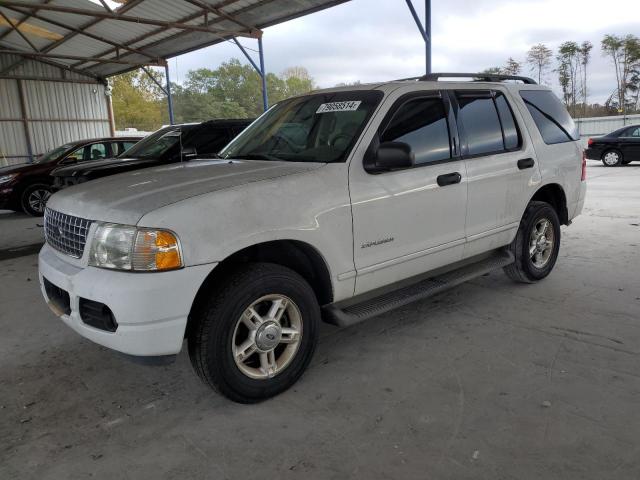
x: 137, y: 101
x: 585, y: 56
x: 233, y: 90
x: 624, y: 53
x: 569, y: 60
x: 492, y: 71
x: 539, y: 59
x: 512, y: 67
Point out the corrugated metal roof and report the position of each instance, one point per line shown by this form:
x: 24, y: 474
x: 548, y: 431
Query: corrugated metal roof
x: 140, y: 32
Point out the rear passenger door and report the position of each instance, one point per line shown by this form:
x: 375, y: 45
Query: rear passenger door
x: 500, y: 167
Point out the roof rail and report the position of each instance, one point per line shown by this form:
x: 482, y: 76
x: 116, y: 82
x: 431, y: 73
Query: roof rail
x: 482, y: 77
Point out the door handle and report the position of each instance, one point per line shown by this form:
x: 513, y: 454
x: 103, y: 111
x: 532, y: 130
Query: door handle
x: 526, y: 163
x: 449, y: 179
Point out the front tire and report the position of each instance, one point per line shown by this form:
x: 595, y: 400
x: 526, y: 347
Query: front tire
x: 536, y: 245
x: 34, y: 199
x: 255, y: 335
x: 612, y: 158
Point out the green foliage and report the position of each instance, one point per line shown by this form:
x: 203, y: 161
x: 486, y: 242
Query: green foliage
x: 138, y: 102
x: 233, y: 90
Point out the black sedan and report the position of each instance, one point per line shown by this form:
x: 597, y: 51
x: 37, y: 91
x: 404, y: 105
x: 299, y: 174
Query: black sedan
x: 170, y: 144
x: 617, y: 148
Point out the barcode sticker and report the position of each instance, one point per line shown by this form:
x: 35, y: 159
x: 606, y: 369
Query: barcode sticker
x: 349, y: 106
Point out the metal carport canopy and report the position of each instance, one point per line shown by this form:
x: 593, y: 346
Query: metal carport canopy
x: 94, y: 40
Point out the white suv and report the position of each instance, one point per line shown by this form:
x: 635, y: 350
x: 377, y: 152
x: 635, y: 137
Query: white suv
x: 337, y: 206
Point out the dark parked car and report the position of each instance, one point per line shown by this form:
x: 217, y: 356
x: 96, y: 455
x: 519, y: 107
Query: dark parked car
x: 617, y: 148
x: 27, y: 186
x: 168, y: 145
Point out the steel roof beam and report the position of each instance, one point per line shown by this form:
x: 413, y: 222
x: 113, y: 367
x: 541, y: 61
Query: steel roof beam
x: 159, y: 63
x: 15, y: 28
x: 86, y: 34
x: 143, y: 37
x: 220, y: 13
x: 20, y: 22
x: 130, y: 4
x: 121, y: 18
x: 187, y: 19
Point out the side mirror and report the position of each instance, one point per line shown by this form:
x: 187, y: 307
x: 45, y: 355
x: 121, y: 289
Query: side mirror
x: 69, y: 161
x: 390, y: 156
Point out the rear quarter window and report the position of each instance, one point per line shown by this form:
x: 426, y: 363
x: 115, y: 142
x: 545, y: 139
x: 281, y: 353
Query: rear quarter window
x: 550, y: 116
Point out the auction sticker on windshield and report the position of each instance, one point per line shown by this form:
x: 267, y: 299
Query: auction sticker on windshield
x: 339, y: 107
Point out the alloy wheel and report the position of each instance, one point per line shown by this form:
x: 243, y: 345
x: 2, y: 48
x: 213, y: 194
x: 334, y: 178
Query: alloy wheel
x: 541, y: 243
x: 267, y: 336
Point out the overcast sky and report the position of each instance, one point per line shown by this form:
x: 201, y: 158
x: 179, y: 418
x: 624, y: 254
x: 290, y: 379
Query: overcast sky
x: 376, y: 40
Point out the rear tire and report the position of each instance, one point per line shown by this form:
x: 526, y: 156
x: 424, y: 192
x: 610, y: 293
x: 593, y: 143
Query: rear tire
x: 255, y: 335
x: 34, y: 199
x: 612, y: 158
x: 536, y: 245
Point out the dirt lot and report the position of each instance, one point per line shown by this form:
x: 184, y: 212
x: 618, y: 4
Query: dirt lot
x: 490, y: 380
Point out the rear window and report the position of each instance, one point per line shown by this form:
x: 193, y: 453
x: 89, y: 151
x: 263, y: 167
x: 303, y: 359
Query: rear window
x: 550, y: 116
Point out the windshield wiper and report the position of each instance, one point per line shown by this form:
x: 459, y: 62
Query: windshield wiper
x: 256, y: 156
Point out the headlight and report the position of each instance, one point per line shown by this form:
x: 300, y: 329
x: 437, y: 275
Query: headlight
x: 124, y: 247
x: 7, y: 178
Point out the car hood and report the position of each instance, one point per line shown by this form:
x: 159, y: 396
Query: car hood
x: 104, y: 163
x: 126, y: 197
x: 20, y: 168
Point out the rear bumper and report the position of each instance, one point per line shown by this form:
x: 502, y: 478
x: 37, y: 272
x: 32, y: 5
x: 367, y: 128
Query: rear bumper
x: 575, y: 208
x: 593, y: 153
x: 151, y: 309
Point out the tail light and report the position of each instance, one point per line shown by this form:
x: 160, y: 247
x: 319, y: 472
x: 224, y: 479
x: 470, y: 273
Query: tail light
x: 590, y: 142
x: 584, y: 166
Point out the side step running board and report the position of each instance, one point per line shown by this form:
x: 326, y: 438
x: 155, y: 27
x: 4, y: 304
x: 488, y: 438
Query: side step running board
x: 358, y: 312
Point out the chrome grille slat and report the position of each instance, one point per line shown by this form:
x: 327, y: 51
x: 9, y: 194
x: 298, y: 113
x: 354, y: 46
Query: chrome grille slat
x: 66, y: 233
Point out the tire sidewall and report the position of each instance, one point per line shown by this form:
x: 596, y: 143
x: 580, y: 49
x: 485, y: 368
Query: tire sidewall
x: 538, y: 213
x: 24, y: 204
x: 220, y: 359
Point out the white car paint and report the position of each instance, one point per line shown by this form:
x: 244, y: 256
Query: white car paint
x: 219, y: 207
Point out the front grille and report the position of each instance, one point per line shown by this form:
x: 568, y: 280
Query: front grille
x: 66, y: 233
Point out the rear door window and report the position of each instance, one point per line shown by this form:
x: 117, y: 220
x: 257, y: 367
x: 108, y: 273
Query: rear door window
x: 550, y: 116
x: 96, y: 151
x: 422, y: 124
x: 479, y: 120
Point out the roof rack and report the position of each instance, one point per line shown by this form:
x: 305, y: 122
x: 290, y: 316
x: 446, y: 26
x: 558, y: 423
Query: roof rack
x: 478, y: 77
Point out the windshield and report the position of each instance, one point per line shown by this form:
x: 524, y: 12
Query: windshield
x: 55, y: 154
x: 314, y: 128
x: 155, y: 145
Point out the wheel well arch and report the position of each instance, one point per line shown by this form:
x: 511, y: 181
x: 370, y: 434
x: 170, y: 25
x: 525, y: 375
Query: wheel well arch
x: 554, y: 195
x: 299, y: 256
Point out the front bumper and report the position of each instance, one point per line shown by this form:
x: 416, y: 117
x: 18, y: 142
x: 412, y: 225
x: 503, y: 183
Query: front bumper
x: 7, y: 197
x: 150, y: 309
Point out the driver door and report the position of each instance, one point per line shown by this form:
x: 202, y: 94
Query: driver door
x: 410, y: 221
